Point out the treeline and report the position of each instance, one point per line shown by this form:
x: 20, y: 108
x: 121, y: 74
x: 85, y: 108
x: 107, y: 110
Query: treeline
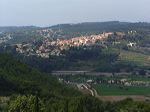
x: 75, y: 58
x: 88, y: 28
x: 30, y: 103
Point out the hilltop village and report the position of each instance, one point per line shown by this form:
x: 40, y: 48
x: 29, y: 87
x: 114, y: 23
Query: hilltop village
x: 54, y: 47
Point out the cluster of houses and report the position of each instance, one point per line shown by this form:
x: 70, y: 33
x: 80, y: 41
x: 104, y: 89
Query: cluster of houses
x: 48, y: 33
x: 5, y: 38
x: 78, y: 41
x: 54, y: 47
x: 125, y: 82
x: 131, y: 44
x: 50, y: 47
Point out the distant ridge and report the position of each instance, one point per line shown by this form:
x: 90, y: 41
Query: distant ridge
x: 100, y: 26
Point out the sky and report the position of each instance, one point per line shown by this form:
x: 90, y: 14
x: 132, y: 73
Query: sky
x: 51, y: 12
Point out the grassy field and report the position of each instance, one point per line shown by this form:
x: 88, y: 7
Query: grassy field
x: 138, y: 78
x: 105, y: 90
x: 133, y: 57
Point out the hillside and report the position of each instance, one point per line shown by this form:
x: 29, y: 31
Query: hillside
x: 54, y: 48
x: 87, y: 28
x: 18, y: 78
x: 17, y: 29
x: 32, y: 33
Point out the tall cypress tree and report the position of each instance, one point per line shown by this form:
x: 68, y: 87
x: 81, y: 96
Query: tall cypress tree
x: 36, y: 103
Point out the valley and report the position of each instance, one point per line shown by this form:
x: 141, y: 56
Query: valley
x: 75, y: 67
x: 108, y: 87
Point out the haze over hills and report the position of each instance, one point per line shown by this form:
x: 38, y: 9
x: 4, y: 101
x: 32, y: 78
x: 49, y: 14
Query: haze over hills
x: 70, y: 30
x: 97, y: 25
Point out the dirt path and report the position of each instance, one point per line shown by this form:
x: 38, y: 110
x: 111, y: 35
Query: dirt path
x: 87, y: 87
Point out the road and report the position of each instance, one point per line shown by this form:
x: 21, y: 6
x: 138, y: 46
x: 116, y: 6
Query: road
x: 85, y: 86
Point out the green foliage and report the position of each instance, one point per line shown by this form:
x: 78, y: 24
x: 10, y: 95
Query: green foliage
x: 83, y: 53
x: 16, y: 77
x: 78, y: 104
x: 75, y: 104
x: 138, y: 59
x: 26, y: 104
x: 89, y: 28
x: 130, y: 106
x: 76, y: 58
x: 4, y: 104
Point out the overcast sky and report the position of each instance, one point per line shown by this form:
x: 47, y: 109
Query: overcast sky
x: 50, y: 12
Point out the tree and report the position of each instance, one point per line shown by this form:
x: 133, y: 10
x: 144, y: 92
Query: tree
x: 24, y: 103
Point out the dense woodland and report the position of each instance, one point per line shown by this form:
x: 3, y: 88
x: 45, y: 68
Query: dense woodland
x: 94, y: 58
x: 77, y: 104
x: 19, y: 78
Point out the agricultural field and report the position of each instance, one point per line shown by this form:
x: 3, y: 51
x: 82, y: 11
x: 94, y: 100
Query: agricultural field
x: 138, y: 78
x: 106, y: 90
x: 114, y: 85
x: 139, y: 88
x: 135, y: 58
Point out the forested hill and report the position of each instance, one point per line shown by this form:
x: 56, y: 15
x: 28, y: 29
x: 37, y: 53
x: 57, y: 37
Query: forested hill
x: 16, y: 77
x: 86, y: 27
x: 17, y: 28
x: 32, y: 33
x: 101, y: 26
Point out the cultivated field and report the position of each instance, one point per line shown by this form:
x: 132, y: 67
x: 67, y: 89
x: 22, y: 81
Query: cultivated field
x: 106, y: 90
x: 133, y: 57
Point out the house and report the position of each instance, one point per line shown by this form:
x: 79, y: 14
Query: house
x: 131, y: 44
x: 89, y: 81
